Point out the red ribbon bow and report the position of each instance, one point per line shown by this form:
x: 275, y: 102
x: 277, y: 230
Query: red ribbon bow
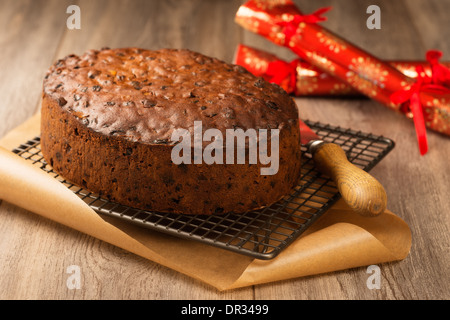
x: 410, y: 98
x: 280, y: 70
x: 291, y: 26
x: 440, y: 73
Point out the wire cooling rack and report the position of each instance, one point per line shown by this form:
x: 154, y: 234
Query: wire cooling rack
x: 263, y: 233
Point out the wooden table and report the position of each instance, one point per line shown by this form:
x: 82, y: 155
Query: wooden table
x: 35, y: 252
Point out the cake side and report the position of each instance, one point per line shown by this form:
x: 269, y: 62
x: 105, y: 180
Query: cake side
x: 143, y: 176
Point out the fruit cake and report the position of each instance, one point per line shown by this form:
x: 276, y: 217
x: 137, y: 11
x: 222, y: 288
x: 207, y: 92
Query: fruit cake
x: 109, y: 116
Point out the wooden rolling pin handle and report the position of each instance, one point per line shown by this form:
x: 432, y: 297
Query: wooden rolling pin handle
x: 362, y: 192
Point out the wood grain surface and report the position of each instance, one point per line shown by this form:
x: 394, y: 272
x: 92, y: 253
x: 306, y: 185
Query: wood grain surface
x: 35, y: 252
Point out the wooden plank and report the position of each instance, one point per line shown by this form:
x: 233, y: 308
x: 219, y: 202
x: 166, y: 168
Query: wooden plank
x: 154, y: 25
x: 431, y: 24
x: 26, y: 55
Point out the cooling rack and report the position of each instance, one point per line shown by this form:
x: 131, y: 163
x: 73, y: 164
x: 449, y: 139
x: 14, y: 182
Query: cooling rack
x: 261, y: 234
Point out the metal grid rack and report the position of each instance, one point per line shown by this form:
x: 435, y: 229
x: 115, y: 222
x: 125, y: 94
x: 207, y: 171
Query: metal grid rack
x: 261, y: 234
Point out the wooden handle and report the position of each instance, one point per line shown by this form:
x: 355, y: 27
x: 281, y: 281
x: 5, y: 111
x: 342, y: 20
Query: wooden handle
x: 362, y: 192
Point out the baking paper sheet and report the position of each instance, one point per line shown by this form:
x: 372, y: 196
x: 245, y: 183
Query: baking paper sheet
x: 339, y: 240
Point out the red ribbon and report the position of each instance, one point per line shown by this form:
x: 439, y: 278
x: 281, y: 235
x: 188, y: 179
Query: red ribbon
x: 291, y: 26
x: 440, y: 73
x: 413, y: 96
x: 280, y: 70
x: 410, y: 98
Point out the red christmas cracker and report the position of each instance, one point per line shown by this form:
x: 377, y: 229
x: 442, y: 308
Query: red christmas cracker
x: 300, y: 78
x: 424, y: 99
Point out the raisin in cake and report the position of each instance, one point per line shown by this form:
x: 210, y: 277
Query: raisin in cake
x: 108, y: 118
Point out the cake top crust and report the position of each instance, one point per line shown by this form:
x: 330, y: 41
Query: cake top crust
x: 144, y: 95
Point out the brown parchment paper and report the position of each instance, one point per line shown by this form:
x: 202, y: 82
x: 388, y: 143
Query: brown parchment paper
x: 339, y: 240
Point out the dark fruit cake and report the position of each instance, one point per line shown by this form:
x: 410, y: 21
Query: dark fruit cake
x: 108, y: 117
